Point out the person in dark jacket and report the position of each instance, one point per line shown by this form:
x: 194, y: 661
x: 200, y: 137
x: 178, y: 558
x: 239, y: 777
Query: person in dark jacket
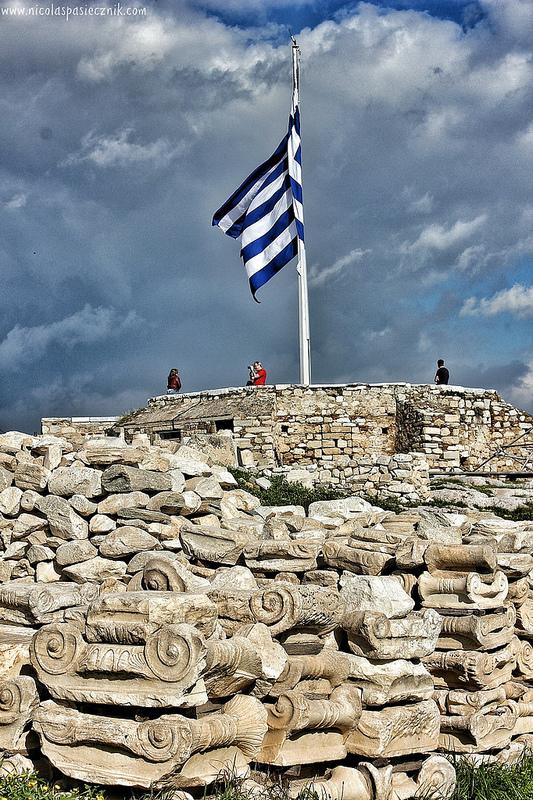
x: 173, y: 382
x: 442, y: 376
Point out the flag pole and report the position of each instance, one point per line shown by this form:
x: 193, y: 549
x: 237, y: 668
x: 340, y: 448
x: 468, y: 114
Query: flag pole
x: 301, y: 266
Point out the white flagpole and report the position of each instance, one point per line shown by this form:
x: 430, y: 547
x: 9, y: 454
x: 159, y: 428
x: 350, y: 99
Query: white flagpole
x: 301, y: 267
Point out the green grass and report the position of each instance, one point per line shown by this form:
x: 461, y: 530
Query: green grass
x: 474, y: 782
x: 494, y: 781
x: 520, y: 514
x: 284, y: 493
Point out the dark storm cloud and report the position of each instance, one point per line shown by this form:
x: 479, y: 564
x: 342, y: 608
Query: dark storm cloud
x: 120, y: 138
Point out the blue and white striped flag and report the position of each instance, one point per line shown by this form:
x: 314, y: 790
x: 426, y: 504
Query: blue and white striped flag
x: 266, y: 211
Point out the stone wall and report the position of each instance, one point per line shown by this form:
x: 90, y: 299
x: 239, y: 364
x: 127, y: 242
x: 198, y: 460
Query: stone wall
x: 77, y: 429
x: 335, y: 428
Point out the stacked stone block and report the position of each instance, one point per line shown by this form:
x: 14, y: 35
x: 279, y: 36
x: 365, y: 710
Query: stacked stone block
x: 158, y: 625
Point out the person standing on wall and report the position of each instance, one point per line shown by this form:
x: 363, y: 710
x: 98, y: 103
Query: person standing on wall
x: 173, y: 382
x: 257, y: 374
x: 442, y: 376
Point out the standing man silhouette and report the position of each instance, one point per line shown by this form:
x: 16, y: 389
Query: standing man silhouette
x: 442, y: 376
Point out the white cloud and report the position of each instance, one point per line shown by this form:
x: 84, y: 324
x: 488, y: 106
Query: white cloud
x: 318, y: 277
x: 517, y: 300
x: 118, y: 151
x: 26, y: 345
x: 17, y: 201
x: 441, y: 237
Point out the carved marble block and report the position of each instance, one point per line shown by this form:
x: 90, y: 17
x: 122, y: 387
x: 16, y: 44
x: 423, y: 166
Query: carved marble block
x: 397, y: 681
x: 374, y: 636
x: 128, y: 617
x: 163, y: 671
x: 396, y: 731
x: 124, y: 752
x: 471, y: 632
x: 475, y: 733
x: 214, y: 545
x: 471, y: 669
x: 471, y: 591
x: 18, y: 698
x: 15, y: 643
x: 435, y: 779
x: 281, y: 606
x: 31, y: 603
x: 298, y: 725
x: 162, y: 575
x: 448, y: 560
x: 455, y: 702
x: 366, y: 782
x: 341, y: 554
x: 282, y: 556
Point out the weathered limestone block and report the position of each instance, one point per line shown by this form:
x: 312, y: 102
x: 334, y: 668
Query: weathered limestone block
x: 472, y: 591
x: 140, y: 754
x: 110, y: 451
x: 367, y: 782
x: 62, y: 519
x: 523, y: 712
x: 237, y: 502
x: 397, y: 681
x: 396, y: 731
x: 329, y: 665
x: 67, y: 481
x: 471, y: 669
x: 515, y: 564
x: 347, y: 508
x: 26, y: 524
x: 444, y: 560
x: 471, y: 632
x: 518, y: 591
x: 171, y: 502
x: 376, y: 539
x: 281, y: 606
x: 95, y: 570
x: 455, y: 702
x: 121, y: 478
x: 18, y: 697
x: 346, y: 783
x: 375, y: 593
x: 163, y: 575
x: 232, y: 665
x: 294, y: 713
x: 128, y: 617
x: 14, y: 649
x: 217, y: 545
x: 75, y: 552
x: 372, y: 635
x: 207, y: 488
x: 282, y: 556
x: 127, y: 540
x: 31, y: 475
x: 339, y: 553
x: 524, y: 619
x: 523, y: 653
x: 272, y: 655
x: 157, y: 673
x: 436, y: 778
x: 82, y: 505
x: 114, y: 503
x: 10, y: 501
x: 16, y: 764
x: 477, y: 732
x: 39, y: 603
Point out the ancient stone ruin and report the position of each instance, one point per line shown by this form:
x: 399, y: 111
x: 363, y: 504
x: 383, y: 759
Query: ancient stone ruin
x: 159, y: 626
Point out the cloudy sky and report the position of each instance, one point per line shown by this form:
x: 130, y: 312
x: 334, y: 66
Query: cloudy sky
x: 120, y: 136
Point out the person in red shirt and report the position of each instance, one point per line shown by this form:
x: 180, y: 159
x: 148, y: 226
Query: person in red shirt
x: 257, y: 374
x: 260, y: 375
x: 173, y: 382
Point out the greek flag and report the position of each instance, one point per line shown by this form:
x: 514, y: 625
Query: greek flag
x: 266, y: 211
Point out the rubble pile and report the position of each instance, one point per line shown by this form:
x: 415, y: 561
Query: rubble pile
x: 159, y: 626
